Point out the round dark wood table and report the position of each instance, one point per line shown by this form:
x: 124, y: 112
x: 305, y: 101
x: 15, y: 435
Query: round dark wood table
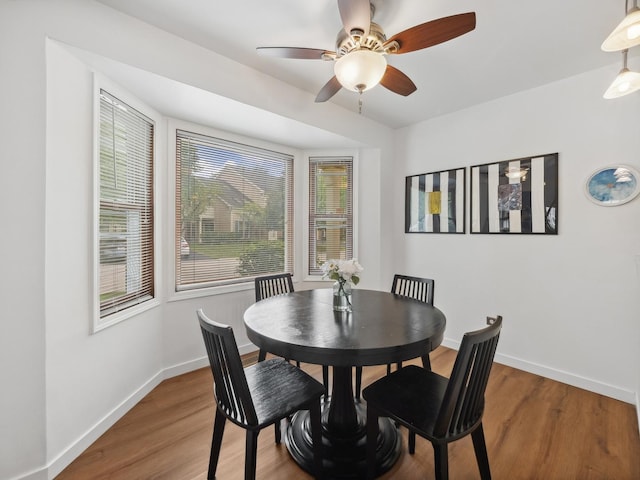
x: 381, y: 328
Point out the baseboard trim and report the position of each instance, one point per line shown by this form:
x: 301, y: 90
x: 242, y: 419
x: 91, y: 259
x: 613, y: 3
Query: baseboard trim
x: 74, y: 450
x: 185, y: 367
x: 80, y: 445
x: 591, y: 385
x: 40, y: 474
x: 638, y: 411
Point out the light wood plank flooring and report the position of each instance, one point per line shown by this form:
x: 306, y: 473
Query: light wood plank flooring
x: 535, y: 429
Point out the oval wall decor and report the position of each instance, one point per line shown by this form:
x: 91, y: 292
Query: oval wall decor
x: 613, y: 185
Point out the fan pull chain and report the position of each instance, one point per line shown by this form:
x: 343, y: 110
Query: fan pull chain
x: 360, y: 90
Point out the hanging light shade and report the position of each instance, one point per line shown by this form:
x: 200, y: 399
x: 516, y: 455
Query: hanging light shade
x: 360, y: 70
x: 626, y: 82
x: 626, y: 34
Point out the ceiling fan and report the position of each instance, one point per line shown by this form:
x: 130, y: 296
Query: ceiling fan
x: 362, y: 45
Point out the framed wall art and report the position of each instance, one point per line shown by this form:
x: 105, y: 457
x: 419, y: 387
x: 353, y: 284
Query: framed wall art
x: 435, y: 202
x: 516, y: 196
x: 613, y: 185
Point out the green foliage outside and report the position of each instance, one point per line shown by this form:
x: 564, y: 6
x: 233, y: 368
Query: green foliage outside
x: 263, y: 258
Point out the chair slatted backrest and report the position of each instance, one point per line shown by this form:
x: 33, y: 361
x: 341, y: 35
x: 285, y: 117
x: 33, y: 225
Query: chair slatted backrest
x: 413, y: 287
x: 463, y: 403
x: 230, y: 383
x: 271, y: 285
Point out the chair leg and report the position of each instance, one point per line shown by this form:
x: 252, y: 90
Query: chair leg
x: 216, y: 443
x: 325, y: 380
x: 441, y: 460
x: 480, y: 447
x: 426, y: 362
x: 412, y: 442
x: 372, y: 441
x: 358, y: 382
x: 398, y: 367
x: 278, y: 431
x: 251, y: 452
x: 262, y: 354
x: 316, y: 437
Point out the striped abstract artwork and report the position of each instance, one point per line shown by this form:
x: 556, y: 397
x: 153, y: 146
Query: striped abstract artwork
x: 515, y: 196
x: 435, y: 202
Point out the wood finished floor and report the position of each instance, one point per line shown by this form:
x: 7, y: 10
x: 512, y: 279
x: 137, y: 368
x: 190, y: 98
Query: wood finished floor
x: 535, y: 429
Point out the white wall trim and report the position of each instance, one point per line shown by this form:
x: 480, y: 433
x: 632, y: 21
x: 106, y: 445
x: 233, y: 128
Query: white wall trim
x: 73, y: 451
x: 638, y: 410
x: 185, y: 367
x: 81, y: 444
x: 560, y: 376
x: 201, y: 362
x: 40, y: 474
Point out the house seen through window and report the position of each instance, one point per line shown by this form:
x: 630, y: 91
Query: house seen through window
x: 234, y: 211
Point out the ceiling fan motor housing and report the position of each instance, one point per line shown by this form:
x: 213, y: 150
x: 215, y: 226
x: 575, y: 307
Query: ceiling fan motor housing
x: 375, y: 41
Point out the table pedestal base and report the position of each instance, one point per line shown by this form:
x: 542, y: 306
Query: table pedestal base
x: 344, y: 456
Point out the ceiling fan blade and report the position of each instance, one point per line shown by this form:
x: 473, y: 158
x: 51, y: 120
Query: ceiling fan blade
x: 355, y: 14
x: 293, y: 52
x: 329, y: 90
x: 434, y: 32
x: 397, y: 82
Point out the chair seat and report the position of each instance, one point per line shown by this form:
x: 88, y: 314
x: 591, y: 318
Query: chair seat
x: 294, y: 388
x: 411, y: 395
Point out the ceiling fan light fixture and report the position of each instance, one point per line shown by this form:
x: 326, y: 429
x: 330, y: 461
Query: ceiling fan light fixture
x: 626, y: 34
x: 360, y: 70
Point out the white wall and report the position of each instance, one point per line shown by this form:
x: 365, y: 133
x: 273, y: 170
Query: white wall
x: 61, y: 385
x: 86, y: 375
x: 570, y: 302
x: 22, y: 247
x: 577, y: 320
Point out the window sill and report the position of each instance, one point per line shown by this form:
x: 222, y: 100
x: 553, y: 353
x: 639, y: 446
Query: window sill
x: 100, y: 324
x: 174, y: 296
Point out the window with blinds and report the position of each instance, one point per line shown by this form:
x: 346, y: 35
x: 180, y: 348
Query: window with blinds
x: 330, y: 210
x: 234, y: 211
x: 126, y: 206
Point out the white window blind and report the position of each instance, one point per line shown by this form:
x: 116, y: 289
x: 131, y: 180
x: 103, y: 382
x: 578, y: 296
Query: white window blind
x: 126, y: 206
x: 234, y: 211
x: 330, y: 210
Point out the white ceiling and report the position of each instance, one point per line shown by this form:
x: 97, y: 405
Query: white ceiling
x: 516, y: 45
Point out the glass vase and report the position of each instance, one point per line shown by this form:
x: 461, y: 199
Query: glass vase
x: 342, y: 296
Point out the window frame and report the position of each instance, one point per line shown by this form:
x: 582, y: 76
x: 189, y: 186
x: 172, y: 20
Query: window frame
x: 99, y: 323
x: 175, y: 124
x: 340, y: 153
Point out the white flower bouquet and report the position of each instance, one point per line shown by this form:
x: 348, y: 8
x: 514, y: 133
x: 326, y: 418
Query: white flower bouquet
x: 342, y: 271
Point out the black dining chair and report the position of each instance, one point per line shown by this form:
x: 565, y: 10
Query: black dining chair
x: 257, y: 396
x: 439, y: 409
x: 420, y: 289
x: 270, y: 285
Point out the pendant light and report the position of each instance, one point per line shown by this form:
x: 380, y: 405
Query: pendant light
x: 627, y: 33
x: 626, y: 82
